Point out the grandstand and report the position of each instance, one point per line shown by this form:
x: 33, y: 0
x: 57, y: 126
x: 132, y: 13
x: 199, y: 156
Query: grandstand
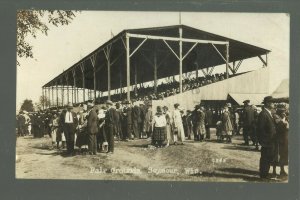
x: 142, y: 64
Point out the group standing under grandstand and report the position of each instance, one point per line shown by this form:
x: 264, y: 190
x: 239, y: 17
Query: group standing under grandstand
x: 94, y: 128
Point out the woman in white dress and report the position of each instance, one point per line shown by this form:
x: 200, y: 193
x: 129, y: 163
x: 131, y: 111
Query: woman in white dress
x: 178, y: 131
x: 159, y: 130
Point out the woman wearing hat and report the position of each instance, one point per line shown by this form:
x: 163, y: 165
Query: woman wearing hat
x: 281, y: 141
x: 159, y: 124
x: 227, y: 125
x: 177, y: 125
x: 168, y: 126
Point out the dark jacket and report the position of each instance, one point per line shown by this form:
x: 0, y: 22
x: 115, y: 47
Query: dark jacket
x: 92, y: 122
x: 136, y: 114
x: 62, y: 120
x: 248, y: 116
x: 266, y: 130
x: 208, y: 118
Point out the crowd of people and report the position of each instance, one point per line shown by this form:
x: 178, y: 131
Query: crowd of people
x: 95, y: 129
x: 144, y: 93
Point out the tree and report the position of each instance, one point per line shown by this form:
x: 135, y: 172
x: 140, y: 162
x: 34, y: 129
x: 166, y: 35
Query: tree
x: 30, y: 22
x: 44, y: 101
x: 27, y: 105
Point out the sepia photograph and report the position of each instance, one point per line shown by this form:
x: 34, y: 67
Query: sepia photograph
x: 152, y: 96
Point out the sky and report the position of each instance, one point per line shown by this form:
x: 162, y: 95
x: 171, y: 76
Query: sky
x: 66, y: 45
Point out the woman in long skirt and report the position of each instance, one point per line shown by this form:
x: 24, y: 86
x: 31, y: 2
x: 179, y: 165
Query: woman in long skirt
x: 177, y: 126
x: 227, y: 125
x: 159, y: 124
x: 168, y: 125
x: 281, y: 143
x: 54, y: 128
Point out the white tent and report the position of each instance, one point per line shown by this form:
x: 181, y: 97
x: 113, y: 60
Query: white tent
x: 282, y: 90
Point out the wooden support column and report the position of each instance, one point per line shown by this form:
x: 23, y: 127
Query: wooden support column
x: 227, y: 60
x: 52, y: 91
x: 128, y: 67
x: 62, y: 92
x: 135, y: 78
x: 107, y: 56
x: 56, y: 95
x: 43, y: 98
x: 67, y: 80
x: 93, y: 60
x: 49, y: 98
x: 180, y: 60
x: 83, y: 80
x: 197, y: 70
x: 155, y: 71
x: 74, y: 86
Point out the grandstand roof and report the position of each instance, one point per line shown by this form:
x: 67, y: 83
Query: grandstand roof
x: 141, y: 62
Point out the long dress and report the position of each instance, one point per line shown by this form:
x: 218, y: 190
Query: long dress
x: 281, y: 143
x: 169, y: 127
x: 227, y: 125
x: 178, y: 126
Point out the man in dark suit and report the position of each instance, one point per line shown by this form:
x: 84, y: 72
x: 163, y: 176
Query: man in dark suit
x: 127, y: 120
x: 68, y: 120
x: 92, y: 129
x: 110, y: 123
x: 248, y: 120
x: 266, y: 136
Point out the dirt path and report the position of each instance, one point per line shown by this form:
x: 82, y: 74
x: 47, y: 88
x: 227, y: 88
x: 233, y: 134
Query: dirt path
x: 134, y: 160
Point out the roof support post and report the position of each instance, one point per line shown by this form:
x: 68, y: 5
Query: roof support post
x: 197, y: 70
x: 93, y: 60
x: 52, y: 99
x: 180, y: 60
x: 128, y: 66
x: 67, y: 80
x: 49, y: 105
x: 43, y: 98
x: 62, y: 92
x: 227, y: 60
x: 74, y: 85
x: 155, y: 71
x: 107, y: 55
x: 83, y: 80
x: 265, y: 62
x: 135, y: 79
x: 56, y: 94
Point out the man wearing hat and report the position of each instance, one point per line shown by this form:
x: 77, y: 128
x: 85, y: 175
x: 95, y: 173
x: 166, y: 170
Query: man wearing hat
x: 127, y: 120
x: 110, y: 124
x: 266, y: 133
x: 92, y: 129
x: 248, y: 121
x: 69, y: 121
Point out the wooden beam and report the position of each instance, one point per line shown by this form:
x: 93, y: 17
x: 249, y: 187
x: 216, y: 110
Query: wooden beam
x: 153, y: 37
x: 227, y: 65
x: 128, y: 67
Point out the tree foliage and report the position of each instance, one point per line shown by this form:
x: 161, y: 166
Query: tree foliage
x: 27, y: 105
x: 30, y: 22
x: 44, y: 101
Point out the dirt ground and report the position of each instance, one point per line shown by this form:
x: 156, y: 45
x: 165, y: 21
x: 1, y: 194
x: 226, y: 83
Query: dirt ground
x: 207, y: 161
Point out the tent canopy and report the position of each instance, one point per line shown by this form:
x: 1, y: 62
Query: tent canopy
x: 145, y: 52
x: 255, y: 99
x: 282, y: 90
